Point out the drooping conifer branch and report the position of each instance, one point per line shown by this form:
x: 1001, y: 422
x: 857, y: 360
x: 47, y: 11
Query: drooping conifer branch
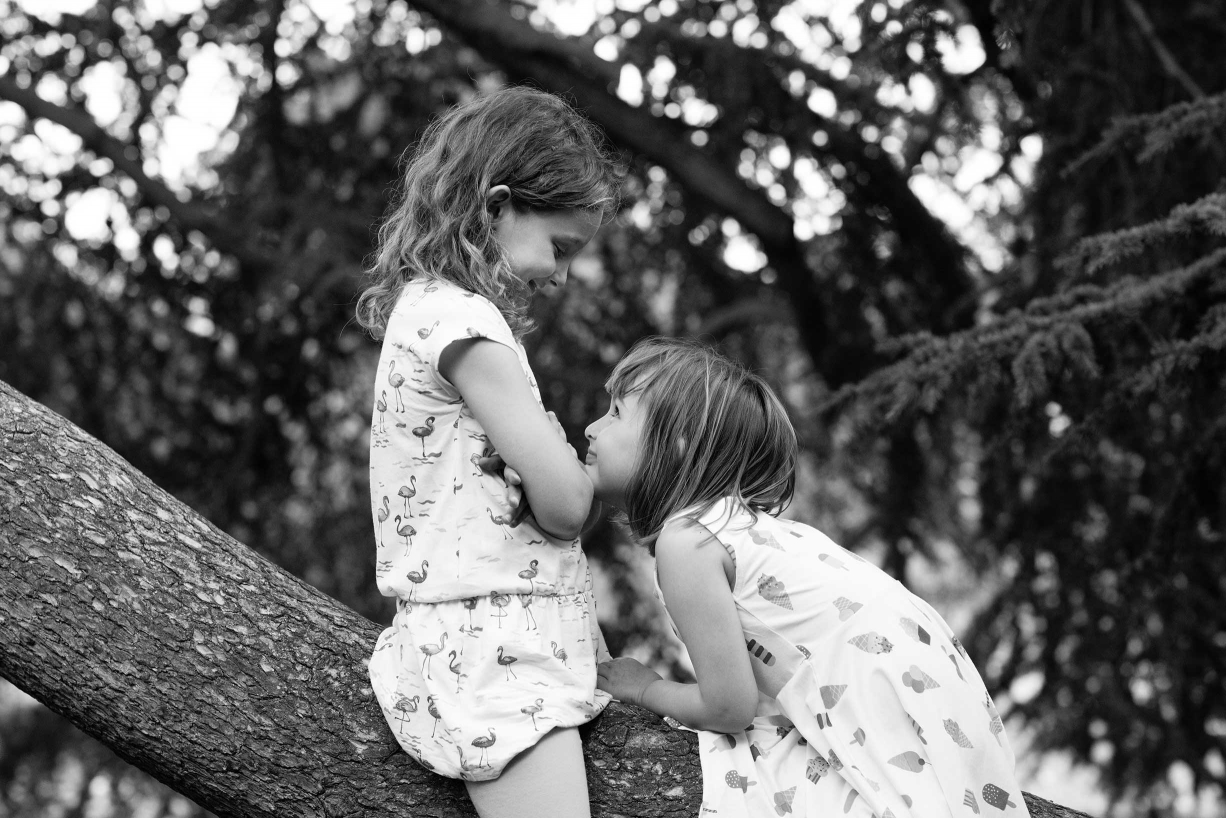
x: 1028, y: 340
x: 1158, y: 132
x: 1096, y: 252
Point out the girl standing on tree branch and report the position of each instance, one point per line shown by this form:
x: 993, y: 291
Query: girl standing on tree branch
x: 824, y: 687
x: 490, y: 663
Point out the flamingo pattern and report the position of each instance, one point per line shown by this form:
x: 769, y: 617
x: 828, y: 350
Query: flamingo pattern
x: 407, y: 493
x: 484, y: 743
x: 500, y: 601
x: 817, y: 621
x: 432, y: 709
x: 532, y: 709
x: 396, y: 380
x: 455, y: 667
x: 530, y: 573
x: 406, y: 531
x: 430, y: 650
x: 423, y: 432
x: 456, y: 566
x: 418, y: 577
x: 381, y: 517
x: 506, y: 662
x: 502, y: 521
x: 381, y: 408
x: 529, y: 619
x: 406, y: 707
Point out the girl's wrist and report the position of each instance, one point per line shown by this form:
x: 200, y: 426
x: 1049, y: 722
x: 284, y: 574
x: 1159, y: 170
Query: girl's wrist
x: 641, y: 698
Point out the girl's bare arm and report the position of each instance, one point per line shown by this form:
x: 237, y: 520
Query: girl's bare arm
x: 694, y: 572
x: 489, y: 377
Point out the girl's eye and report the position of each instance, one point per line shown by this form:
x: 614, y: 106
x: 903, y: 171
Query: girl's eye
x: 557, y: 251
x: 613, y: 411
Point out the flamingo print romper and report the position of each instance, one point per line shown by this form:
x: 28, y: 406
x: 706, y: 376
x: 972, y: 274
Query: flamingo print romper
x: 494, y: 639
x: 867, y: 702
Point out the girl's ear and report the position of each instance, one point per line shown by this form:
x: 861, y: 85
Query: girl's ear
x: 498, y: 201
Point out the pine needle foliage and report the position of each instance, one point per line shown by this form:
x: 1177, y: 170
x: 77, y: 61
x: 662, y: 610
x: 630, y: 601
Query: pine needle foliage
x: 1099, y: 412
x: 1160, y: 132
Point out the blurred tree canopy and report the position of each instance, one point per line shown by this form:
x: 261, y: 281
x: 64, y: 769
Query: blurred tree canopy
x: 977, y: 245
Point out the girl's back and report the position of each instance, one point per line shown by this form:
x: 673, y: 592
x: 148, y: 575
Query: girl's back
x: 856, y: 675
x: 434, y: 503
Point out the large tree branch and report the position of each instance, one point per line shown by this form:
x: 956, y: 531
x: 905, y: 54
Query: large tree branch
x: 226, y: 237
x: 1169, y: 64
x: 574, y: 69
x: 563, y: 67
x: 569, y: 67
x: 876, y: 182
x: 222, y: 675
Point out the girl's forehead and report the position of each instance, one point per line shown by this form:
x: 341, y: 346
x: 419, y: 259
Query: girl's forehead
x: 627, y: 381
x: 575, y: 225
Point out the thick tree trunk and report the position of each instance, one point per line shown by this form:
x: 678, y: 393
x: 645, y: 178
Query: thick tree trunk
x: 222, y: 675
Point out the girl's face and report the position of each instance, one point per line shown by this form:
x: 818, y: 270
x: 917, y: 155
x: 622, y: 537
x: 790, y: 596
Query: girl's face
x: 613, y: 449
x: 540, y: 244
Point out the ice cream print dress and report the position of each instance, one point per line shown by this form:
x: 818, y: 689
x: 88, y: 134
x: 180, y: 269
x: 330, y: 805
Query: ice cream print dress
x: 494, y: 638
x: 868, y: 705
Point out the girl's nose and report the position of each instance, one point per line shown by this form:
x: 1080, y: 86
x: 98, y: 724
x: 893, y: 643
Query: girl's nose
x: 592, y: 429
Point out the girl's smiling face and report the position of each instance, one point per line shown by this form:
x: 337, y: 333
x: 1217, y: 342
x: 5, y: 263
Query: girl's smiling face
x: 613, y: 448
x: 540, y: 244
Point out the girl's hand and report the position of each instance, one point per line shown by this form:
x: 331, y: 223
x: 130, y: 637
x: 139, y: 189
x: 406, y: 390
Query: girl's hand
x: 494, y: 464
x: 625, y: 679
x: 491, y: 380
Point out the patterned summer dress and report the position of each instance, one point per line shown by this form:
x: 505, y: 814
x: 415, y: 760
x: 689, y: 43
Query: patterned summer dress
x: 494, y: 638
x: 868, y: 704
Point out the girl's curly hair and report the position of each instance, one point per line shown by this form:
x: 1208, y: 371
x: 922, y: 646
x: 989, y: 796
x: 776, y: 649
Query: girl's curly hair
x: 550, y: 157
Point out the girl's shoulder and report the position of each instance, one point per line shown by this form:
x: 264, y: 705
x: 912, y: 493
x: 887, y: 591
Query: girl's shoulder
x: 710, y: 518
x: 438, y: 291
x: 427, y: 302
x: 723, y: 512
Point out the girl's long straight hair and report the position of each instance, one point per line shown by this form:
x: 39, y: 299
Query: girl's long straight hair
x: 439, y: 226
x: 711, y: 429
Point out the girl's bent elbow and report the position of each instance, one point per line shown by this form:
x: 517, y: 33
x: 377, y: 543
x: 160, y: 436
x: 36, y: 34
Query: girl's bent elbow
x: 563, y: 512
x: 567, y: 527
x: 734, y: 718
x: 567, y: 534
x: 563, y: 524
x: 726, y: 725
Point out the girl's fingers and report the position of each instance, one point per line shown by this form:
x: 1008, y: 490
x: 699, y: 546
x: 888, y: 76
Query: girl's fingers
x: 491, y: 464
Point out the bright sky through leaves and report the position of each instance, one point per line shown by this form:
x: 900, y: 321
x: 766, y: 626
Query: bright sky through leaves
x: 208, y: 96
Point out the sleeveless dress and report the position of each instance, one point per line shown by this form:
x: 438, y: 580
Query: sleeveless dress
x: 868, y: 705
x: 494, y: 639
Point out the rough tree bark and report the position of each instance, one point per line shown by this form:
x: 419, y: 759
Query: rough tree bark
x: 220, y: 674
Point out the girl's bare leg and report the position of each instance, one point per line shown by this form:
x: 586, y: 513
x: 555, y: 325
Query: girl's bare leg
x: 547, y: 779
